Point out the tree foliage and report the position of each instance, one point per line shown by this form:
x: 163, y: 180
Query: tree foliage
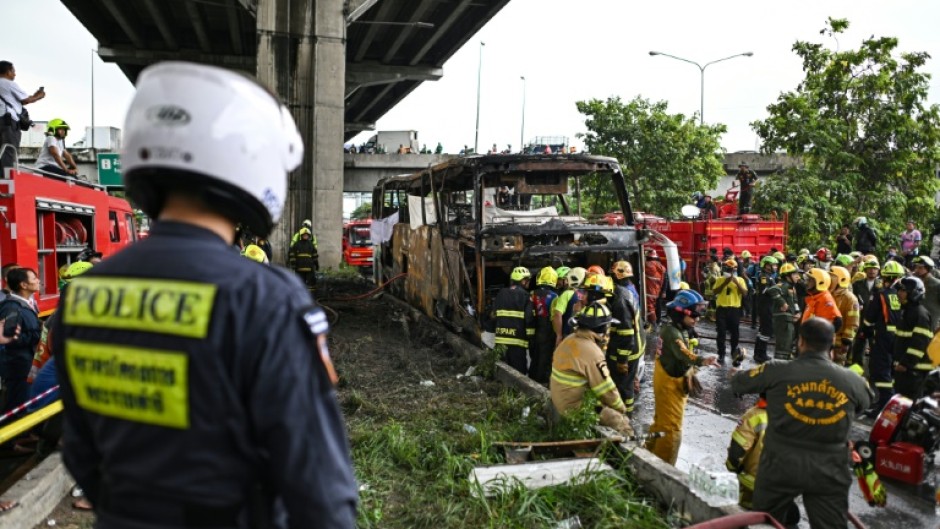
x: 364, y: 211
x: 665, y: 157
x: 867, y: 138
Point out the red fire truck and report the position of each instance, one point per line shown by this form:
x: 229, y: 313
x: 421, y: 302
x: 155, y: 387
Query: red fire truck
x: 694, y: 238
x: 50, y: 220
x: 357, y: 243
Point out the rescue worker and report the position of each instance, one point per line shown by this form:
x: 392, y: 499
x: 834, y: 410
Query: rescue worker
x: 303, y: 260
x: 786, y: 311
x: 568, y: 304
x: 309, y: 226
x: 811, y: 402
x: 879, y: 323
x: 729, y: 290
x: 848, y: 306
x: 671, y: 376
x: 923, y: 269
x: 747, y: 443
x: 823, y: 258
x: 864, y: 287
x: 625, y: 348
x: 766, y: 279
x: 515, y: 320
x: 710, y: 273
x: 745, y: 268
x: 579, y: 365
x: 562, y: 284
x: 543, y: 343
x: 224, y: 409
x: 819, y: 301
x: 911, y: 363
x: 655, y: 273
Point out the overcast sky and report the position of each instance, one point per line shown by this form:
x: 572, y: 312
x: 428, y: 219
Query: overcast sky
x: 568, y: 51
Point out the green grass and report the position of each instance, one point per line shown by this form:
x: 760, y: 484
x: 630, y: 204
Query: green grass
x: 413, y: 466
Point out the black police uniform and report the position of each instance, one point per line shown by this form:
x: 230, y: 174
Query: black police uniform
x: 811, y: 402
x: 197, y: 391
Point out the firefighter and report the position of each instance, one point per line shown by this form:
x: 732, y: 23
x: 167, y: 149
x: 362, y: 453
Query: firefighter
x: 515, y: 320
x: 745, y: 269
x: 655, y: 273
x: 879, y: 323
x: 567, y: 303
x: 255, y: 253
x: 786, y: 310
x: 542, y: 345
x: 224, y: 408
x: 766, y: 279
x: 674, y: 369
x: 923, y: 269
x: 729, y: 290
x: 626, y: 345
x: 911, y: 363
x: 848, y: 306
x: 303, y: 259
x: 747, y: 442
x: 811, y: 404
x: 309, y: 226
x: 819, y: 301
x: 823, y: 258
x: 579, y: 365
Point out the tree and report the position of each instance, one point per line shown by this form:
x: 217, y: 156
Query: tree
x: 868, y: 140
x: 665, y: 157
x: 364, y: 211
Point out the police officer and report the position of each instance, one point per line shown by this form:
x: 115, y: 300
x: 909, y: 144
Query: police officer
x: 811, y: 404
x: 184, y: 406
x: 911, y: 363
x: 515, y: 320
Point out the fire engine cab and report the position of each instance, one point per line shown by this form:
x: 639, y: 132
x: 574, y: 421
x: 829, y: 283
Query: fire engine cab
x: 48, y: 221
x: 357, y: 243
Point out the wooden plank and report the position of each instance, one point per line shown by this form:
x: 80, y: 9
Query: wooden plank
x: 535, y: 475
x: 561, y: 446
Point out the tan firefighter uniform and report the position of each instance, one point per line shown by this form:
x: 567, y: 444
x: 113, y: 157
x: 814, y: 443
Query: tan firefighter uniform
x: 579, y: 365
x: 747, y: 442
x: 847, y: 303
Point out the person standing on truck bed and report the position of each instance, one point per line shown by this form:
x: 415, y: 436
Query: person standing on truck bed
x: 515, y: 320
x: 12, y: 100
x: 212, y: 416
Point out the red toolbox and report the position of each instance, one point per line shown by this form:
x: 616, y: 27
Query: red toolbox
x: 901, y: 461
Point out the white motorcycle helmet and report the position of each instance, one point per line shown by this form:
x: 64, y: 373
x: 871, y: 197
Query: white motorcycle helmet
x: 214, y: 133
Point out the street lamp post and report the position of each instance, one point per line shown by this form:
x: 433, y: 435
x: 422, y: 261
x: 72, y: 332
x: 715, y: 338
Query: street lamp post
x: 522, y: 129
x: 92, y: 101
x: 701, y: 68
x: 476, y: 138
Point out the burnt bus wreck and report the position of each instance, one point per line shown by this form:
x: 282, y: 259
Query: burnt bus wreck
x: 458, y: 229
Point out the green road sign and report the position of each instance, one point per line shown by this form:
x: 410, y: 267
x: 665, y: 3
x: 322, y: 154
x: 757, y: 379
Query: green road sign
x: 109, y: 169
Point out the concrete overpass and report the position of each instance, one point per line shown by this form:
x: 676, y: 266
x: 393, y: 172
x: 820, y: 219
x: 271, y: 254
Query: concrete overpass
x: 339, y: 65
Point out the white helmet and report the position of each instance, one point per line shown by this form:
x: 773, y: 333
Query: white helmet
x: 215, y: 133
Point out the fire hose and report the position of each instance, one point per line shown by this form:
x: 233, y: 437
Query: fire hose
x: 371, y: 292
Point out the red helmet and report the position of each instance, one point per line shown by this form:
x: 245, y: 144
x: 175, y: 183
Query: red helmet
x: 652, y: 255
x: 823, y: 254
x: 594, y: 269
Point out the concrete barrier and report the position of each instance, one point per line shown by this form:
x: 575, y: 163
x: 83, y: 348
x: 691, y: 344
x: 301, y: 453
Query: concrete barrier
x: 38, y: 493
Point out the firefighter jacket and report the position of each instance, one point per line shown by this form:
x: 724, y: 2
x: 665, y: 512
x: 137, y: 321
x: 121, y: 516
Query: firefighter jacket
x: 881, y: 314
x: 747, y: 442
x: 579, y: 365
x: 623, y: 344
x: 677, y: 356
x: 515, y: 318
x: 764, y: 281
x: 863, y: 292
x: 822, y: 305
x: 913, y: 336
x: 784, y: 294
x: 931, y: 300
x: 182, y: 399
x: 811, y: 403
x: 303, y: 256
x: 655, y: 272
x: 847, y: 304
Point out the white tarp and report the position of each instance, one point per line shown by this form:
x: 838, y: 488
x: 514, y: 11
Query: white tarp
x: 381, y: 229
x: 495, y: 215
x: 414, y: 207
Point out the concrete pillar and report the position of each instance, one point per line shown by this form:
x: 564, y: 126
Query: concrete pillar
x: 302, y: 58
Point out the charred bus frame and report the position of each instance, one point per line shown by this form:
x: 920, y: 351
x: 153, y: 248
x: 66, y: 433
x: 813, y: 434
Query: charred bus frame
x: 458, y: 229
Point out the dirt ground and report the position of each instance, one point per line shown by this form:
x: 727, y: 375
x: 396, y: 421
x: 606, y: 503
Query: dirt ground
x: 373, y: 387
